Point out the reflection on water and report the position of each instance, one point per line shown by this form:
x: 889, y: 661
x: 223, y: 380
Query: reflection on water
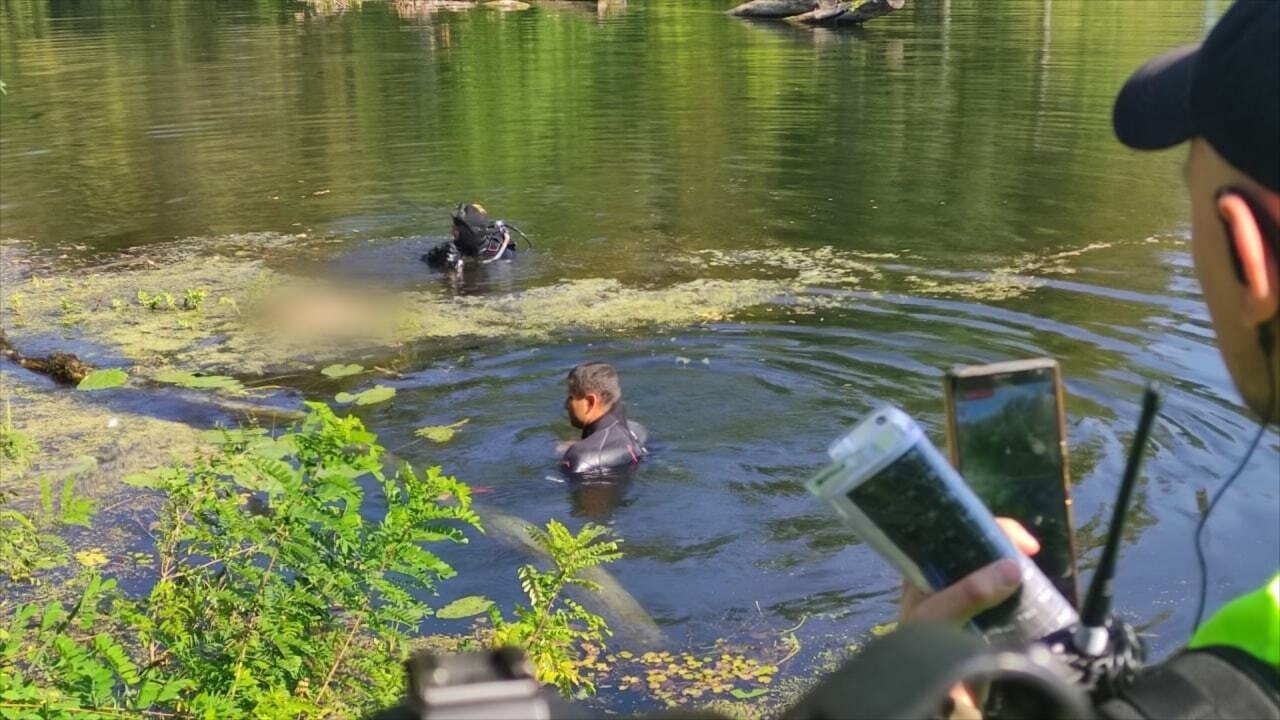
x: 940, y: 187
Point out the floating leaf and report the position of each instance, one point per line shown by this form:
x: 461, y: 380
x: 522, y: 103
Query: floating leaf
x: 339, y: 370
x: 464, y: 607
x: 103, y: 379
x: 376, y: 394
x: 748, y: 694
x: 91, y: 557
x: 182, y: 378
x: 441, y: 433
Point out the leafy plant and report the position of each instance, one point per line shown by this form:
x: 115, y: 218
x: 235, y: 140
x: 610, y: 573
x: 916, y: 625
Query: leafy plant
x: 158, y: 301
x: 193, y: 298
x: 554, y: 626
x: 275, y: 596
x: 29, y: 543
x: 16, y: 447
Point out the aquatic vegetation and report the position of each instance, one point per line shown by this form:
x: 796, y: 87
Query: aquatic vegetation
x: 340, y: 370
x: 198, y: 381
x: 16, y: 447
x: 553, y: 627
x: 193, y: 298
x: 375, y: 394
x: 678, y: 679
x: 157, y: 301
x: 440, y: 433
x: 465, y: 607
x: 103, y: 379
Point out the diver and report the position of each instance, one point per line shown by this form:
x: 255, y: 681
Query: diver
x: 475, y: 236
x: 609, y: 439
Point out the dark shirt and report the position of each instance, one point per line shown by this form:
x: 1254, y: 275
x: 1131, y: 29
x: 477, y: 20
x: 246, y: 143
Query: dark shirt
x: 609, y: 442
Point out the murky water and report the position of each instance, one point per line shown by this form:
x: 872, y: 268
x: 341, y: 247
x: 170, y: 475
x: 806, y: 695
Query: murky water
x: 938, y: 188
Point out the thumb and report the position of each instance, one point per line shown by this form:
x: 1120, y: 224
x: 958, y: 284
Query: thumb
x: 977, y: 591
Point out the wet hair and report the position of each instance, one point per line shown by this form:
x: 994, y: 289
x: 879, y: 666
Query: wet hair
x: 595, y: 377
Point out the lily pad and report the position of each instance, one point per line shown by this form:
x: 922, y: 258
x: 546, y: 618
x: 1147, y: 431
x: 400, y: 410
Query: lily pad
x: 341, y: 371
x: 103, y: 379
x: 182, y: 378
x: 441, y: 433
x: 464, y: 607
x: 748, y: 694
x: 376, y: 394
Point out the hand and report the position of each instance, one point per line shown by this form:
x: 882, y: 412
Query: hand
x: 977, y: 591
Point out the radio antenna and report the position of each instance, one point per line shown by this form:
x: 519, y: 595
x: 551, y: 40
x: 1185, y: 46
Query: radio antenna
x: 1097, y: 605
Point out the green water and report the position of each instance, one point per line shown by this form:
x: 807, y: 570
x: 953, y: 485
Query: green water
x: 939, y: 187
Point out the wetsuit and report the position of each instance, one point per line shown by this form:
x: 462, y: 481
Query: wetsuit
x: 609, y: 442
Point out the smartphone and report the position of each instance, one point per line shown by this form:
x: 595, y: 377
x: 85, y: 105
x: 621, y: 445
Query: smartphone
x: 1006, y: 432
x: 902, y: 497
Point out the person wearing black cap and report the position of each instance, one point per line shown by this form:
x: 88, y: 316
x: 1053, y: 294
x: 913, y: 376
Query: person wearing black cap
x: 1222, y: 99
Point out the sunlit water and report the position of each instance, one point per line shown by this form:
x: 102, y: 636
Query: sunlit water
x: 960, y: 149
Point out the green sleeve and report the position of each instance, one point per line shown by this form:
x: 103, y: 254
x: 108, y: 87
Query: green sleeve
x: 1250, y: 622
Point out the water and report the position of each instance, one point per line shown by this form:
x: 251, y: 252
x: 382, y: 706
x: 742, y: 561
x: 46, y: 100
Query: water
x: 961, y: 150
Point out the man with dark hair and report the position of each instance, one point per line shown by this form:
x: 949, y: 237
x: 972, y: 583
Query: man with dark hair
x: 594, y: 403
x: 1222, y: 98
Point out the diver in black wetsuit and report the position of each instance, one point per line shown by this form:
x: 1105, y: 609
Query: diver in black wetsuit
x: 474, y: 235
x: 609, y: 439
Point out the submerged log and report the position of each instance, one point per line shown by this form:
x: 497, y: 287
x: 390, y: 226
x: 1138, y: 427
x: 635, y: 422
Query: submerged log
x: 773, y: 8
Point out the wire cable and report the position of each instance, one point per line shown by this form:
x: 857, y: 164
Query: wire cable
x: 1244, y: 461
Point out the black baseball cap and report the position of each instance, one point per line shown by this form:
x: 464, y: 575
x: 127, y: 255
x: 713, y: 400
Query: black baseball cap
x: 1225, y: 90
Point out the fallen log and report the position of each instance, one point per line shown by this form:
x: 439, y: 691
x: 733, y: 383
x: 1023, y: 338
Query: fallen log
x: 773, y: 8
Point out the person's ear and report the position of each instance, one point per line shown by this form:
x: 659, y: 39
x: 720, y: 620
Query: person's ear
x: 593, y: 401
x: 1254, y: 255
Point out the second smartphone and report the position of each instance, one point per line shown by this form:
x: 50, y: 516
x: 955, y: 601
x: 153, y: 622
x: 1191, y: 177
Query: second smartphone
x: 1006, y: 432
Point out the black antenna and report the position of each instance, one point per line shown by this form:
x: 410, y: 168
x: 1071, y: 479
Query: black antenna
x: 1097, y: 605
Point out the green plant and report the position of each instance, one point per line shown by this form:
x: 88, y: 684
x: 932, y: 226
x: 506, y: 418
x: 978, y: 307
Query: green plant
x: 16, y: 447
x: 275, y: 597
x: 552, y: 629
x: 158, y: 301
x: 29, y: 543
x: 193, y: 298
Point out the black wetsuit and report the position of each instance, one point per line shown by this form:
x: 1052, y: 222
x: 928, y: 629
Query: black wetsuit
x: 610, y: 442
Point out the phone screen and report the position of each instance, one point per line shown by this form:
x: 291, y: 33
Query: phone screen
x: 1008, y: 445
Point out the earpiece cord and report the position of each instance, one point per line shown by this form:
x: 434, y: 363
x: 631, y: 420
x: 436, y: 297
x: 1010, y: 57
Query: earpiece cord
x: 1244, y: 461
